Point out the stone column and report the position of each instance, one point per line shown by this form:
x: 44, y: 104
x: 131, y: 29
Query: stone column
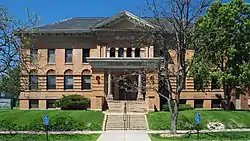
x: 125, y: 52
x: 116, y: 52
x: 133, y: 52
x: 139, y: 95
x: 110, y: 96
x: 105, y: 51
x: 108, y: 51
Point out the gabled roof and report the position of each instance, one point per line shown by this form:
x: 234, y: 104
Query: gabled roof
x: 88, y: 24
x: 128, y: 16
x: 80, y: 24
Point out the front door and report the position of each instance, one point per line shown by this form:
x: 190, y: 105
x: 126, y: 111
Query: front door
x: 127, y: 89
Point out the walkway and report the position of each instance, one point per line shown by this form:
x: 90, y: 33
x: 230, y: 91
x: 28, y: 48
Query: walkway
x: 124, y: 136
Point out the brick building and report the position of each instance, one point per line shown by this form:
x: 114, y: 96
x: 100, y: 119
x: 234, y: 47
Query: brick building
x: 82, y: 56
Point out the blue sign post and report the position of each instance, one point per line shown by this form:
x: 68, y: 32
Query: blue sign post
x: 198, y: 118
x: 198, y: 121
x: 46, y: 124
x: 46, y: 120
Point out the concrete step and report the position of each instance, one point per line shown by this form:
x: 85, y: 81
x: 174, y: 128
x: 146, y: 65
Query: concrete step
x: 133, y: 122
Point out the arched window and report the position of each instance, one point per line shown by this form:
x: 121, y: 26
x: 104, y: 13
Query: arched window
x: 33, y: 80
x: 137, y: 52
x: 86, y: 79
x: 129, y: 52
x: 68, y: 79
x: 112, y: 52
x: 51, y: 79
x: 120, y: 52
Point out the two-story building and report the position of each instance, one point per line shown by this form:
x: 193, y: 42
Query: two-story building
x: 91, y: 56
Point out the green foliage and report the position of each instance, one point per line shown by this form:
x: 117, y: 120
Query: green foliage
x: 222, y: 37
x: 244, y: 77
x: 10, y: 83
x: 24, y: 137
x: 73, y: 102
x: 182, y: 107
x: 186, y: 119
x: 13, y: 120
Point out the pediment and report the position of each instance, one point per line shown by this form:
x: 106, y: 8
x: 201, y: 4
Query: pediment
x: 123, y: 20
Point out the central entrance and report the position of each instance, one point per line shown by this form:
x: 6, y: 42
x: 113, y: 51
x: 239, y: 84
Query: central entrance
x: 123, y: 86
x: 128, y: 88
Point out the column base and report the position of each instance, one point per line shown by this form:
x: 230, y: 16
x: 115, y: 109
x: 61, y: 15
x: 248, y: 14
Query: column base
x: 140, y: 98
x: 110, y: 97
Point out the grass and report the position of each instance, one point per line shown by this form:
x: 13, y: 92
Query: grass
x: 59, y: 119
x: 22, y: 137
x: 226, y: 136
x: 231, y: 119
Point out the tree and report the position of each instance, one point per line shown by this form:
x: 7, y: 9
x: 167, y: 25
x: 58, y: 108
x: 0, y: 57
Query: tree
x: 13, y: 41
x: 174, y: 22
x: 222, y: 36
x: 10, y: 84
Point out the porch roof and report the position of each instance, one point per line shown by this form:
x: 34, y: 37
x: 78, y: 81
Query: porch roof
x: 105, y: 63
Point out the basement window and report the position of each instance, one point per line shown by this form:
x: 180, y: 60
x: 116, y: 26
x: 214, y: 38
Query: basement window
x: 198, y: 103
x: 33, y: 104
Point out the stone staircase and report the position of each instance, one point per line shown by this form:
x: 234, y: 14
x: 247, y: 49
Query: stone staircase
x: 134, y: 119
x: 129, y: 122
x: 132, y: 106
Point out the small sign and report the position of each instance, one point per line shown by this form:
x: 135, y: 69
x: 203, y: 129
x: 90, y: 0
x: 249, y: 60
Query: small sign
x: 198, y: 118
x: 46, y: 120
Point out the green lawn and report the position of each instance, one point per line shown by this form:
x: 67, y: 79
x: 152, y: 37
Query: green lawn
x: 227, y: 136
x: 59, y: 120
x: 231, y: 119
x: 22, y: 137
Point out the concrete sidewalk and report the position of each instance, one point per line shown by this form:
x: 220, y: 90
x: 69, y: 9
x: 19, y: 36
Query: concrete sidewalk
x: 124, y: 136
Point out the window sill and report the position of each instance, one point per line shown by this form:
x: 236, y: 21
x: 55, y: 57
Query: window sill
x: 68, y: 89
x: 87, y: 90
x: 85, y: 63
x: 51, y: 63
x: 68, y: 63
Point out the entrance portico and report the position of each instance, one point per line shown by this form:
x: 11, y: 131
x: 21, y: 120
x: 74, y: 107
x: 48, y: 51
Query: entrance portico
x: 124, y: 78
x: 124, y: 86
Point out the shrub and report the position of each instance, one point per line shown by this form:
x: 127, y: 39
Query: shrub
x: 73, y: 102
x: 182, y: 107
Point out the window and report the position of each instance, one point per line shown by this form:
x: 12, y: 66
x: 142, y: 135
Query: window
x: 198, y: 103
x: 86, y: 82
x: 68, y: 55
x: 214, y: 84
x: 178, y: 83
x: 112, y: 52
x: 68, y: 79
x: 68, y: 82
x: 85, y: 54
x: 216, y: 103
x: 51, y: 82
x: 33, y: 104
x: 137, y: 52
x: 51, y: 56
x: 182, y: 101
x: 198, y: 84
x: 120, y: 52
x: 129, y: 52
x: 34, y: 56
x: 50, y: 103
x: 33, y: 82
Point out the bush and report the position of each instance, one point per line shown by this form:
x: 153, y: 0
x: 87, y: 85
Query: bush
x: 182, y: 107
x: 73, y: 102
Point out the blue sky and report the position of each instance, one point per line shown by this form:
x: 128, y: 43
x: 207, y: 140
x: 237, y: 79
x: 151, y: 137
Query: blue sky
x: 51, y: 11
